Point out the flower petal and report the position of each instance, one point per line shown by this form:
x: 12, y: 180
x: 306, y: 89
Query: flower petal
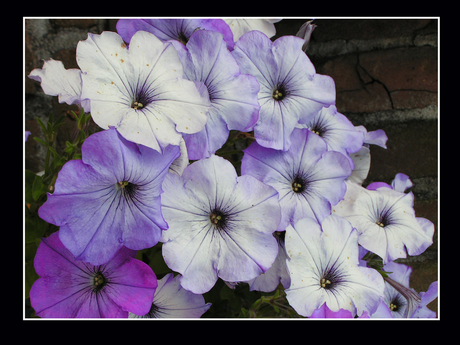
x: 57, y: 81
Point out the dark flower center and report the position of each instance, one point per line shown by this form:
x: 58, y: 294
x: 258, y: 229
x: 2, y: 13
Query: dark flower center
x: 182, y: 38
x: 397, y: 304
x: 99, y: 282
x: 218, y: 219
x: 299, y: 184
x: 279, y: 93
x: 143, y: 96
x: 128, y: 189
x: 331, y: 278
x: 384, y: 219
x: 152, y: 312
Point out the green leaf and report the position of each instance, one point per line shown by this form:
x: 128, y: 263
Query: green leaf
x: 41, y: 141
x: 29, y: 179
x: 38, y: 188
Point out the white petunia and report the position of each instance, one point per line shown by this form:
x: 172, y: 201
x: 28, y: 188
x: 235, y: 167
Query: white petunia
x: 324, y: 268
x: 386, y: 221
x: 173, y: 301
x: 55, y: 80
x: 140, y: 90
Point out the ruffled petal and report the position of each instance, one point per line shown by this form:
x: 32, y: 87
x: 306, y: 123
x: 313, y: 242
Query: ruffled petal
x: 57, y: 81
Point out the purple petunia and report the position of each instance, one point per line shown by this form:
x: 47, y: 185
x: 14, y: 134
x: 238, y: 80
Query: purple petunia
x: 233, y: 96
x: 69, y: 288
x: 110, y: 198
x: 177, y: 30
x: 290, y: 90
x: 220, y: 225
x: 308, y: 177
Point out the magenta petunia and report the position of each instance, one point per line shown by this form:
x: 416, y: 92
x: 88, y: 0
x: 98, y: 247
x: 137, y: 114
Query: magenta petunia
x: 69, y: 288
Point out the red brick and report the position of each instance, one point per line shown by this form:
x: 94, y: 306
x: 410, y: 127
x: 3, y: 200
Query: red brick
x: 364, y: 29
x: 410, y: 68
x: 371, y: 98
x: 412, y: 149
x: 409, y: 99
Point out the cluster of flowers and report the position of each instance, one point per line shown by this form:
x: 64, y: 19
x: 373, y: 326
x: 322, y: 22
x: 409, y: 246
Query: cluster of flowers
x: 168, y: 92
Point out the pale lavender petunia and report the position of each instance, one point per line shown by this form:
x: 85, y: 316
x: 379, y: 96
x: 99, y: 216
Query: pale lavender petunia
x: 308, y: 177
x: 386, y: 221
x: 337, y: 131
x: 140, y: 90
x: 291, y: 91
x: 277, y: 273
x: 402, y: 301
x: 110, y: 198
x: 178, y: 30
x: 173, y: 301
x: 69, y: 288
x: 232, y: 95
x: 240, y: 26
x: 55, y: 80
x: 220, y: 224
x: 324, y: 268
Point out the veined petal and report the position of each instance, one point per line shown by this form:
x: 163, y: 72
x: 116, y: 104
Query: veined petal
x: 68, y: 288
x: 140, y: 90
x: 220, y: 225
x: 323, y: 264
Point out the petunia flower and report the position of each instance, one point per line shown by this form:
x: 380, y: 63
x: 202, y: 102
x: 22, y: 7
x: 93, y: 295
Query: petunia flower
x: 140, y: 91
x: 361, y: 165
x: 305, y: 32
x: 110, y: 198
x: 55, y: 80
x: 377, y: 137
x: 324, y: 268
x: 220, y: 224
x: 291, y: 91
x: 69, y: 288
x: 173, y: 301
x: 308, y: 177
x: 400, y: 300
x: 240, y: 26
x: 233, y: 96
x: 338, y: 132
x: 277, y: 273
x: 386, y: 221
x: 178, y: 30
x: 362, y: 158
x: 324, y: 312
x: 426, y: 297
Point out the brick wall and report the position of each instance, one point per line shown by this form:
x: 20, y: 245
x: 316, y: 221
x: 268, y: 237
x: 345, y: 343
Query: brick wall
x: 386, y: 75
